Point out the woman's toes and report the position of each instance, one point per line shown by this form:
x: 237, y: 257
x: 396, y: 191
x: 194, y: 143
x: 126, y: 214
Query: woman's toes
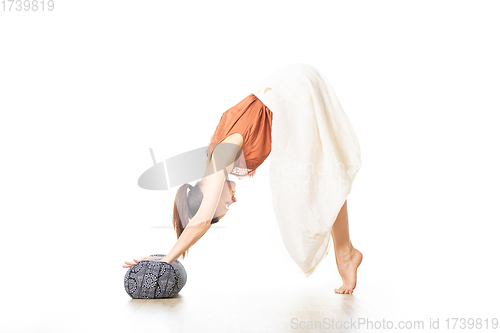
x: 344, y: 290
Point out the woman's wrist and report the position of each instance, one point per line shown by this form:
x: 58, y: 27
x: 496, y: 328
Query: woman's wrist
x: 167, y: 260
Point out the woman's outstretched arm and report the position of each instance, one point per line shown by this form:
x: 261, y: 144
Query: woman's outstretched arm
x: 213, y: 183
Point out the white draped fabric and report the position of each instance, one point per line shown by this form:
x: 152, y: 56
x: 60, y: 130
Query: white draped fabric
x: 314, y: 158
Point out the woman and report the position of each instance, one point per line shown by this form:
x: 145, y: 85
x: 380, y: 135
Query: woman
x: 314, y: 158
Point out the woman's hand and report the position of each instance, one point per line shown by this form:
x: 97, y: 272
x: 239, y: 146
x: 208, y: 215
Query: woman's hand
x: 131, y: 263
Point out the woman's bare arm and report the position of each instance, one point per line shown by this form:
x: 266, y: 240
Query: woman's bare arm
x: 213, y: 184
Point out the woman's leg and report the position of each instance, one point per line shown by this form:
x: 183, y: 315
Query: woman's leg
x: 346, y: 256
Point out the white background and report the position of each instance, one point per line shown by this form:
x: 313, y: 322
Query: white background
x: 87, y: 89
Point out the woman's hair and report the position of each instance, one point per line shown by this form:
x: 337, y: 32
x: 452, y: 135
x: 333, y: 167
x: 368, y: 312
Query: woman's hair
x: 187, y: 202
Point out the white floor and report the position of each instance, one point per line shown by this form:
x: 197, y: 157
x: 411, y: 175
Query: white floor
x: 241, y: 279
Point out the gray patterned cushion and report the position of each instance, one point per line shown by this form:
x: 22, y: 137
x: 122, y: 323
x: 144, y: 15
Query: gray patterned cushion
x: 152, y: 278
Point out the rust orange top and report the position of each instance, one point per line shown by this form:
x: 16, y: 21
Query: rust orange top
x: 253, y: 120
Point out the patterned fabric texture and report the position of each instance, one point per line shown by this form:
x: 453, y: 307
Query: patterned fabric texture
x: 152, y: 279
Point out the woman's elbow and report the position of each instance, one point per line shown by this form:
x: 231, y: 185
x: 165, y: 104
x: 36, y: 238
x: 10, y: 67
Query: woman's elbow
x: 199, y: 224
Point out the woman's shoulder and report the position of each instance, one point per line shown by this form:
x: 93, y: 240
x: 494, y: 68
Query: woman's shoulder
x: 235, y: 138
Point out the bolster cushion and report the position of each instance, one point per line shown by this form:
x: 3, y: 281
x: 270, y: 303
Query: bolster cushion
x: 153, y: 279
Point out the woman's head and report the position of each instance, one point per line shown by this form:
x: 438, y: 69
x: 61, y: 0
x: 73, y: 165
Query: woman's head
x: 188, y: 200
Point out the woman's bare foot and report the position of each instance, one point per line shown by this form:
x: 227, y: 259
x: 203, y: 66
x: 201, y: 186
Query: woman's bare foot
x: 347, y: 264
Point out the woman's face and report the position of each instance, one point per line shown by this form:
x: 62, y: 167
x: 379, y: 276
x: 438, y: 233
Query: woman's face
x: 227, y: 198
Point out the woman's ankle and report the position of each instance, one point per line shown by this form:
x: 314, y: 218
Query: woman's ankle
x: 345, y: 252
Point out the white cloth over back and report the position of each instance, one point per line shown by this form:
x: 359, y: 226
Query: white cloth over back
x: 314, y: 158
